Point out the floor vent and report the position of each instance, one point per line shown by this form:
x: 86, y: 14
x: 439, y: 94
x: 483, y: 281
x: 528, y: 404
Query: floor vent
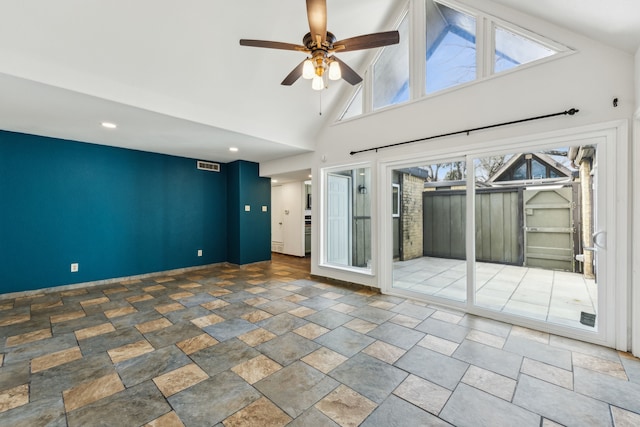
x: 208, y: 166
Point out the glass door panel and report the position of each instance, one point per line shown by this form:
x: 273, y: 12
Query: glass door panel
x: 428, y: 226
x: 534, y: 221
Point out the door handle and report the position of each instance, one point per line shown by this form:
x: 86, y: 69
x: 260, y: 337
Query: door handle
x: 596, y: 243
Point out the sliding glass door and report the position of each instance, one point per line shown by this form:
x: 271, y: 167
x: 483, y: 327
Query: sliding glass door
x: 518, y: 234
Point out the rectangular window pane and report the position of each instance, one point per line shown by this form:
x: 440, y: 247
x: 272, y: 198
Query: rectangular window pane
x: 348, y: 218
x: 429, y: 233
x: 534, y: 219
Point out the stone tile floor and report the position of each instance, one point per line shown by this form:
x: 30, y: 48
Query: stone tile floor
x: 551, y: 296
x: 267, y: 345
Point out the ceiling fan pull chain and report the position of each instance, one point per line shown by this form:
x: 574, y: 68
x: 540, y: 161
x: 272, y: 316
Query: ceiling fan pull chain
x: 320, y: 95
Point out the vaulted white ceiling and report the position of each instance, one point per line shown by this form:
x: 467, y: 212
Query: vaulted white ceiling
x: 173, y: 77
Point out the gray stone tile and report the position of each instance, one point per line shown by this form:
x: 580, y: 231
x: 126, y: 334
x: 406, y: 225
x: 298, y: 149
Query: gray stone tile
x: 282, y: 323
x: 483, y: 324
x: 397, y: 335
x: 474, y: 408
x: 329, y: 318
x: 559, y: 404
x: 197, y: 299
x: 275, y: 294
x: 584, y: 348
x: 76, y: 324
x: 631, y: 367
x: 150, y: 365
x: 46, y: 412
x: 435, y: 367
x: 132, y: 407
x: 490, y: 358
x: 276, y: 307
x: 369, y: 376
x: 130, y: 320
x: 618, y: 392
x: 40, y: 348
x: 538, y: 351
x: 312, y: 417
x: 305, y: 387
x: 14, y: 374
x: 172, y: 334
x: 213, y: 400
x: 310, y: 291
x: 355, y: 300
x: 110, y: 340
x: 223, y: 356
x: 372, y: 314
x: 395, y: 412
x: 187, y: 314
x: 234, y: 310
x: 237, y: 297
x: 287, y: 348
x: 409, y: 309
x: 441, y: 329
x: 228, y: 329
x: 345, y: 341
x: 50, y: 384
x: 318, y: 303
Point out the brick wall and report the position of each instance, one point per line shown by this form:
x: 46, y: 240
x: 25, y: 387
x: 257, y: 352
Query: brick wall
x: 411, y: 208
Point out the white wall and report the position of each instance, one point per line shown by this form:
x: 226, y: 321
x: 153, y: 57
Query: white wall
x: 588, y: 79
x: 291, y: 206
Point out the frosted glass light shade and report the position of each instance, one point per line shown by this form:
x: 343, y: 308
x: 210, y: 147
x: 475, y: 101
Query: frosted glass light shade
x: 334, y: 71
x: 308, y: 71
x: 317, y: 83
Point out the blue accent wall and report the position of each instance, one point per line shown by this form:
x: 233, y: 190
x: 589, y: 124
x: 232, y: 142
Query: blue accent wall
x: 114, y: 211
x: 249, y: 238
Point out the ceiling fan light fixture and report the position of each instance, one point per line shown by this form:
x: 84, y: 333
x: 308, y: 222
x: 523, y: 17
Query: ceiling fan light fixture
x: 308, y: 70
x: 334, y: 71
x: 317, y: 83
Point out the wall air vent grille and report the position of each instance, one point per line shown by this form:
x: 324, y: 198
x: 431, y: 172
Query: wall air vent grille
x: 208, y: 166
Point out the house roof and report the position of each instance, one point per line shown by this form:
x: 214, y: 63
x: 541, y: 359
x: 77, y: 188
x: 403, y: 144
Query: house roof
x: 173, y: 76
x: 514, y: 161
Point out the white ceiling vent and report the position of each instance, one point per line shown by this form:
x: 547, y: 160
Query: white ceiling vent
x: 208, y: 166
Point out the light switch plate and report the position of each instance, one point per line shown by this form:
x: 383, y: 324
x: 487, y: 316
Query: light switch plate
x: 264, y: 209
x: 247, y: 208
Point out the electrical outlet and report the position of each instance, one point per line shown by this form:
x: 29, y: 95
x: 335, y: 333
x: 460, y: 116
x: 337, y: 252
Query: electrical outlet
x: 74, y: 267
x: 199, y: 252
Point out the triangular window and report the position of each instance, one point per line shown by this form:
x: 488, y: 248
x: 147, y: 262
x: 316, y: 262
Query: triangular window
x: 355, y: 106
x: 513, y: 50
x: 391, y: 71
x: 451, y: 47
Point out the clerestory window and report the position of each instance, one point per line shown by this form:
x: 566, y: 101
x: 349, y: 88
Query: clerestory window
x: 451, y: 47
x: 451, y: 54
x: 391, y: 71
x: 513, y: 50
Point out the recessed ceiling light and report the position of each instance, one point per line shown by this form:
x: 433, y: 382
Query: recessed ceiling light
x: 274, y: 180
x: 309, y: 176
x: 234, y: 149
x: 109, y: 125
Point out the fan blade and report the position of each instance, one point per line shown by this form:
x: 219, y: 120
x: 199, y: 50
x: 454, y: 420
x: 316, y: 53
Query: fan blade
x: 347, y: 72
x: 294, y: 75
x: 272, y: 45
x: 317, y: 15
x: 368, y: 41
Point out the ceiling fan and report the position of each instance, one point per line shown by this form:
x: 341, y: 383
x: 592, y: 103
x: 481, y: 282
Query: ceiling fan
x: 321, y: 45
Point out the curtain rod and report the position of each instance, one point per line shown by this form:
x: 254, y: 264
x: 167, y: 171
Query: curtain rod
x: 570, y: 112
